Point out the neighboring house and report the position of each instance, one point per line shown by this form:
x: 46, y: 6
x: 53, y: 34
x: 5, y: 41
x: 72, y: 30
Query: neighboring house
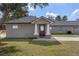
x: 33, y: 27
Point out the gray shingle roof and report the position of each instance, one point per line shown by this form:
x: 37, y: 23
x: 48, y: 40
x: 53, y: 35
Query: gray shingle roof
x: 28, y: 19
x: 66, y: 23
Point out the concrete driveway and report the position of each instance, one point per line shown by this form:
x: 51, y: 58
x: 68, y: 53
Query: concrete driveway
x: 67, y: 38
x: 59, y: 39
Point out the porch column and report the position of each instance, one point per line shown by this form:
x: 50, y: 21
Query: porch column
x: 48, y: 30
x: 36, y: 30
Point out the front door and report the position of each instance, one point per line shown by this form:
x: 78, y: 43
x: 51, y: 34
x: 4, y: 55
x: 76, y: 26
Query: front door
x: 42, y: 30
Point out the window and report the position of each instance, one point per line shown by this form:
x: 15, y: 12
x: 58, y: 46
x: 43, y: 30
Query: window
x: 15, y: 27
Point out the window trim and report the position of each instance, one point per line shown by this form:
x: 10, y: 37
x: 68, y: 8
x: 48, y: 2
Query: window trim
x: 15, y: 27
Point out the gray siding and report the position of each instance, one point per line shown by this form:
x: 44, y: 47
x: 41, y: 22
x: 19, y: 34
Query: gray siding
x: 24, y: 30
x: 76, y: 30
x: 64, y: 29
x: 27, y: 30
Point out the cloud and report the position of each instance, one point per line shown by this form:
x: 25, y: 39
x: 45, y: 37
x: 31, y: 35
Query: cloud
x: 30, y: 8
x: 51, y: 14
x: 75, y: 14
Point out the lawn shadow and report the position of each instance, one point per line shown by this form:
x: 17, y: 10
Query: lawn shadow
x: 17, y: 39
x: 8, y: 51
x: 47, y: 42
x: 2, y: 44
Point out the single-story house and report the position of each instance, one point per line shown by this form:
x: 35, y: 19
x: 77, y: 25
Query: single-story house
x: 33, y: 27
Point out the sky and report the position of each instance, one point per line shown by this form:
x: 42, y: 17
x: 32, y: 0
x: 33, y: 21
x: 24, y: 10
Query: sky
x: 71, y: 10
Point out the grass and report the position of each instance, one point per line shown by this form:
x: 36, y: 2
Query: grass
x: 28, y: 47
x: 65, y: 35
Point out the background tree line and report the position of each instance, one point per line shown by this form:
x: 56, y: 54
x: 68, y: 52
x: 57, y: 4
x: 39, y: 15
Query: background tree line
x: 58, y: 18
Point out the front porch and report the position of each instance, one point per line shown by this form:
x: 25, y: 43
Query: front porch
x: 42, y: 27
x: 42, y: 30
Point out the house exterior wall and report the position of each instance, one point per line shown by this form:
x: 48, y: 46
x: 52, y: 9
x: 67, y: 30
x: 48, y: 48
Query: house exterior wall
x: 27, y: 30
x: 76, y: 29
x: 64, y: 29
x: 23, y: 31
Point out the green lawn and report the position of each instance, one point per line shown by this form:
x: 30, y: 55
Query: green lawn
x: 25, y: 47
x: 65, y: 35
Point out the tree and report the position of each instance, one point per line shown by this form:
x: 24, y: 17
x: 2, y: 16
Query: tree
x: 9, y: 8
x: 58, y: 18
x: 15, y: 10
x: 64, y: 18
x: 35, y: 5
